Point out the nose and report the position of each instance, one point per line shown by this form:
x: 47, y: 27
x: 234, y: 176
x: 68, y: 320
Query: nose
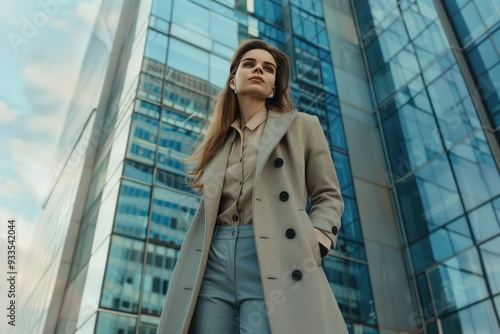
x: 258, y: 68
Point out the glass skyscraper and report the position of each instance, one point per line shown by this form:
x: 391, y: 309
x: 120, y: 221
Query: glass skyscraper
x: 408, y: 95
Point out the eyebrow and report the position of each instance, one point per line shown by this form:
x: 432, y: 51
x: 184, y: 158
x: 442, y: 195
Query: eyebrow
x: 253, y: 59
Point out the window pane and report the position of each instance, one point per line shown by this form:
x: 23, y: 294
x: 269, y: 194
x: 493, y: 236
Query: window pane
x: 156, y: 46
x: 476, y: 319
x: 138, y: 171
x: 142, y: 140
x: 159, y: 268
x: 224, y: 30
x: 441, y: 244
x: 219, y: 71
x: 350, y: 283
x: 485, y: 221
x: 188, y: 59
x: 133, y: 209
x: 172, y: 215
x: 122, y: 281
x: 112, y: 323
x: 476, y: 171
x: 491, y: 257
x: 429, y: 199
x: 457, y: 283
x: 191, y: 16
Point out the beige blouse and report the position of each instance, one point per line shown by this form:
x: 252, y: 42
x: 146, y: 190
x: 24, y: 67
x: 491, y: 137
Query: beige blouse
x: 237, y: 191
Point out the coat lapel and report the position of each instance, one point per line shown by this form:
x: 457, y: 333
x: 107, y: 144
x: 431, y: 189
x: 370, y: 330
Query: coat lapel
x: 276, y: 126
x: 213, y: 179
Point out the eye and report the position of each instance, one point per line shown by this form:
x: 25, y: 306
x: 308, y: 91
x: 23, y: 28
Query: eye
x: 269, y: 69
x: 247, y: 64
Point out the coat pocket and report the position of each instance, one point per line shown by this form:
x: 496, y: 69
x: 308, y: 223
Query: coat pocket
x: 310, y: 232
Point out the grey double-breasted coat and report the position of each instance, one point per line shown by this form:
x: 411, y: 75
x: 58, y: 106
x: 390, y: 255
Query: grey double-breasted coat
x: 293, y: 162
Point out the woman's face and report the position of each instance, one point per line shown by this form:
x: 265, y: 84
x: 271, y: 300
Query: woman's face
x: 255, y: 75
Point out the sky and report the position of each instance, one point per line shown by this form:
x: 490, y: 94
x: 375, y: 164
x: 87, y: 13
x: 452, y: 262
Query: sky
x: 42, y: 44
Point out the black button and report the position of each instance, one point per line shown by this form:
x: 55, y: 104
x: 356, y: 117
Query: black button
x: 335, y: 230
x: 290, y: 233
x: 235, y: 218
x: 296, y: 275
x: 278, y: 162
x: 284, y: 196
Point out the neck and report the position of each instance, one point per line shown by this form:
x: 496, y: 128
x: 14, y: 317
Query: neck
x: 248, y: 108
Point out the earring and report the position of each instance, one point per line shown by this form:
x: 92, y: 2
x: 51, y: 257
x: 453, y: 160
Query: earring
x: 270, y: 96
x: 234, y: 89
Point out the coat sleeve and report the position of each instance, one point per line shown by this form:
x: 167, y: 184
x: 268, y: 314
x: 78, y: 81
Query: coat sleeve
x: 322, y: 184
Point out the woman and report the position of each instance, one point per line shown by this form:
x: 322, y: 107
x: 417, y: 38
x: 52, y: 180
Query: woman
x: 251, y: 260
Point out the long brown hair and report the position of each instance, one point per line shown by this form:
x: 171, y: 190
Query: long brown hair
x: 226, y: 109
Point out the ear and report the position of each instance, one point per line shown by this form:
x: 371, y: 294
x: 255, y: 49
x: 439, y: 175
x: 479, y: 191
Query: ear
x: 273, y: 91
x: 232, y: 84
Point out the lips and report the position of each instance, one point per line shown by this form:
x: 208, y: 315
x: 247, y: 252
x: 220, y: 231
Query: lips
x: 257, y: 78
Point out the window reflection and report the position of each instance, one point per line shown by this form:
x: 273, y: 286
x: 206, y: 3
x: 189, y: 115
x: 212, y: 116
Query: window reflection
x: 138, y: 171
x: 114, y: 324
x: 491, y: 257
x: 160, y: 264
x: 476, y: 171
x: 441, y: 244
x: 458, y: 282
x: 172, y: 215
x: 429, y: 199
x: 122, y: 281
x: 350, y: 283
x: 188, y: 59
x: 479, y: 318
x: 156, y: 46
x: 142, y: 140
x: 485, y: 221
x: 133, y: 209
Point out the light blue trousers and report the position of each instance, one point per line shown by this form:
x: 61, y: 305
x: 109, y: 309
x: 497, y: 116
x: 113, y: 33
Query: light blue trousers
x: 231, y: 299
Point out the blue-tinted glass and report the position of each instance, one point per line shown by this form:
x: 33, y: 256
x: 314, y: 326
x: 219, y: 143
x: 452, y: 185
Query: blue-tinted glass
x: 491, y: 258
x: 156, y: 46
x: 441, y: 244
x: 441, y: 66
x: 184, y: 99
x: 133, y: 209
x: 336, y: 130
x: 188, y: 59
x: 146, y: 108
x: 160, y: 262
x: 172, y: 215
x: 191, y: 16
x: 430, y: 44
x: 162, y: 9
x: 489, y: 11
x: 454, y: 5
x: 343, y: 173
x: 349, y: 249
x: 418, y: 15
x: 468, y: 24
x: 350, y: 220
x: 483, y: 56
x: 113, y: 323
x: 458, y: 282
x: 479, y: 318
x: 453, y: 107
x: 350, y: 283
x: 429, y: 199
x: 476, y: 171
x: 138, y: 171
x: 497, y: 304
x: 485, y: 221
x: 143, y: 139
x: 122, y: 281
x: 425, y: 297
x: 412, y: 135
x: 490, y: 90
x: 432, y: 328
x: 224, y: 30
x: 176, y: 142
x: 150, y: 87
x: 219, y: 71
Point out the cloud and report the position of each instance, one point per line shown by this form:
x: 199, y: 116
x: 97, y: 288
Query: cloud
x: 6, y: 113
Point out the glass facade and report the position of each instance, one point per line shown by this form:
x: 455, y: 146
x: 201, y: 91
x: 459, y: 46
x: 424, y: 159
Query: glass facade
x: 443, y: 171
x: 431, y: 76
